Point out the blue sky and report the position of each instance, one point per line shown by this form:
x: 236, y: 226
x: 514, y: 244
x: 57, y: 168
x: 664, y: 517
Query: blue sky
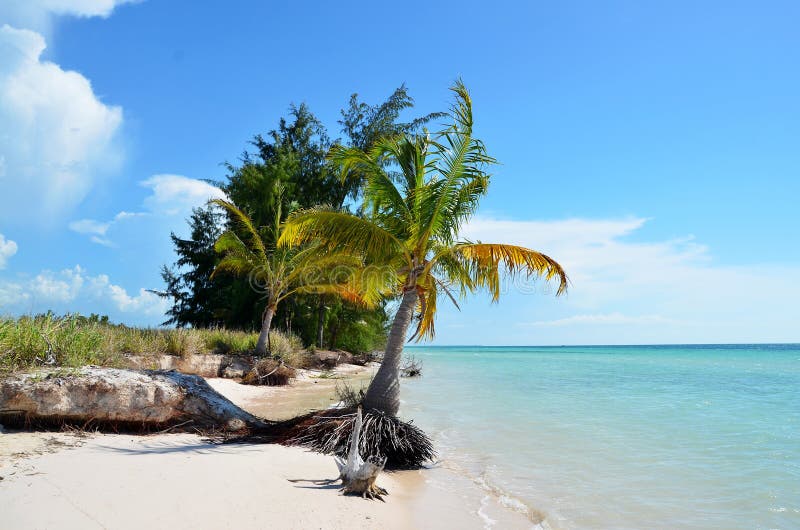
x: 653, y: 149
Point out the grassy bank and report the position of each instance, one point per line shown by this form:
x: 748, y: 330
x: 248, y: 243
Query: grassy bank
x: 75, y: 340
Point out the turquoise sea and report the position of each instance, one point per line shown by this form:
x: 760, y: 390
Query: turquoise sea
x: 633, y: 437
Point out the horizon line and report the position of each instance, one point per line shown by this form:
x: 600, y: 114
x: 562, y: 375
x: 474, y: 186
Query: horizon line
x: 600, y: 345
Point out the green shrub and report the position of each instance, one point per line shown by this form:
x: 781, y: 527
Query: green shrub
x: 60, y: 341
x: 221, y: 340
x: 74, y: 340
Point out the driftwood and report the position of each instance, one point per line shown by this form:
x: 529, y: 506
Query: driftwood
x: 357, y: 475
x: 411, y: 368
x: 269, y: 372
x: 114, y: 399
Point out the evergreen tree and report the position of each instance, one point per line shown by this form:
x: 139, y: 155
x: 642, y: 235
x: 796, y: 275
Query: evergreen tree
x: 196, y: 298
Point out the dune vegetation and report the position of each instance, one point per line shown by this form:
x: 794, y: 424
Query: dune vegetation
x: 75, y: 340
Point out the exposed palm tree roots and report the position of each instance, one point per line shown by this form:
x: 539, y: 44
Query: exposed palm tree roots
x: 404, y: 445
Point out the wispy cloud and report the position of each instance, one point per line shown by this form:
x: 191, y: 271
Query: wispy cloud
x: 95, y: 229
x: 656, y: 290
x: 171, y: 196
x: 602, y: 319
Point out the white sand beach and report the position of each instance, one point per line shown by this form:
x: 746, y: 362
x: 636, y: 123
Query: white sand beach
x: 116, y: 481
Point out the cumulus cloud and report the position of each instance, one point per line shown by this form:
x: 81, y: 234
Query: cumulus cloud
x: 76, y: 290
x: 628, y: 288
x: 7, y: 249
x: 56, y: 136
x: 38, y: 14
x: 171, y: 199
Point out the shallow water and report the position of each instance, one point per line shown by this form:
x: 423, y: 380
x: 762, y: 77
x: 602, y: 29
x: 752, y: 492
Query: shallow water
x: 635, y: 437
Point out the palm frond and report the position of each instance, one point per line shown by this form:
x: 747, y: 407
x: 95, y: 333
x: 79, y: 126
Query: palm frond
x: 234, y: 265
x: 485, y: 262
x: 427, y: 290
x: 461, y: 110
x: 410, y: 153
x: 238, y: 259
x: 243, y: 220
x: 313, y: 266
x: 379, y: 189
x: 344, y: 291
x: 342, y: 232
x: 460, y: 163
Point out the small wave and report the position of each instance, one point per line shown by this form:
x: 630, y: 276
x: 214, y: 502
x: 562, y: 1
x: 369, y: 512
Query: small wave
x: 504, y: 498
x: 488, y: 522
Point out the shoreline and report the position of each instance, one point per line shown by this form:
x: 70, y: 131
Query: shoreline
x: 133, y: 481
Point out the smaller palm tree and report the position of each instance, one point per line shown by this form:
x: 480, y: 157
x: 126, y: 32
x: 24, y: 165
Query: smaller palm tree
x: 279, y: 273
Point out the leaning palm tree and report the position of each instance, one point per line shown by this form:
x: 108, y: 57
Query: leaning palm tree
x: 419, y: 191
x: 281, y: 272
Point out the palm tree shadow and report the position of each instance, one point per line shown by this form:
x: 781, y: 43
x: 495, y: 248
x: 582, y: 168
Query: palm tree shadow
x: 317, y: 484
x: 195, y: 448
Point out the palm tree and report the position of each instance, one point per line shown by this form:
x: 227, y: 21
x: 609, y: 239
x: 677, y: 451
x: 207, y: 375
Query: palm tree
x: 419, y: 190
x: 282, y: 272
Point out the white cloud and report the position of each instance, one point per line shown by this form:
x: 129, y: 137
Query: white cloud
x: 56, y: 136
x: 89, y: 226
x: 57, y: 288
x: 12, y: 295
x: 607, y: 319
x: 626, y: 288
x: 145, y: 302
x: 75, y: 290
x: 176, y: 194
x: 7, y: 249
x: 38, y: 14
x: 171, y: 200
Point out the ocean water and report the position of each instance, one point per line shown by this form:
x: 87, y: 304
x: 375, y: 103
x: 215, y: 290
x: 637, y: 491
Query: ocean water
x: 634, y: 437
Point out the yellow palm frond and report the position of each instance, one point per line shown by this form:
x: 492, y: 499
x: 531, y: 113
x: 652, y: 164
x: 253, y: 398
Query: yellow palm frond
x: 315, y: 267
x: 342, y: 232
x: 426, y: 308
x: 485, y: 262
x: 344, y: 291
x: 361, y: 286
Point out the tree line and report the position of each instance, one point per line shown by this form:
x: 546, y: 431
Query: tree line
x: 280, y: 172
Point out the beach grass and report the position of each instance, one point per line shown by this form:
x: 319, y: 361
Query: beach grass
x: 76, y: 340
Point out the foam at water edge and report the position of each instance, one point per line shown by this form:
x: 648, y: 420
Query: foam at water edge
x: 503, y: 498
x: 488, y: 522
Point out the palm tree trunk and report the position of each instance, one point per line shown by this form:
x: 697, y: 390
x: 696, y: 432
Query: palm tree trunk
x: 263, y: 337
x: 320, y: 322
x: 383, y: 393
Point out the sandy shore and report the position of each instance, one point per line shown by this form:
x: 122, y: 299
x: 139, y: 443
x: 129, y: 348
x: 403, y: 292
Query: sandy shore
x: 311, y: 390
x: 66, y: 481
x: 178, y: 481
